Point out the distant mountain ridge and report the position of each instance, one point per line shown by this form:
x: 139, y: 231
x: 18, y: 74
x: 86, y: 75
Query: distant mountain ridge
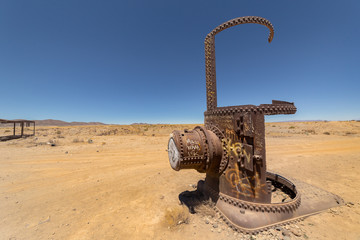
x: 356, y: 119
x: 59, y: 123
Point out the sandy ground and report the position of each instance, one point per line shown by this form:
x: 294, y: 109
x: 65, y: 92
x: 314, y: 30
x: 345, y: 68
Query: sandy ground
x: 115, y: 182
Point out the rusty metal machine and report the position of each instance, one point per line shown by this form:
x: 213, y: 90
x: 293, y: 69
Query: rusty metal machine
x: 230, y: 149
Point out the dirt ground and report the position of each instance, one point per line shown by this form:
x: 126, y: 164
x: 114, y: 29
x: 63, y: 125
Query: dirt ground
x: 115, y: 182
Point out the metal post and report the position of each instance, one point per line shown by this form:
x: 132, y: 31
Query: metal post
x: 22, y: 128
x: 14, y: 129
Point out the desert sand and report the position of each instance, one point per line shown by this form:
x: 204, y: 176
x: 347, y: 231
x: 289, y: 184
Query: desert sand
x: 115, y: 182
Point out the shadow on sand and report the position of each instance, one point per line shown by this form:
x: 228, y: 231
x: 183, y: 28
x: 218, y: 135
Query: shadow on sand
x: 197, y: 198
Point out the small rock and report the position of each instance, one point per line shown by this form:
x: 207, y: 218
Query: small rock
x: 44, y: 221
x: 242, y: 211
x: 286, y: 232
x: 278, y: 228
x: 333, y: 211
x: 215, y: 225
x: 296, y: 232
x: 162, y: 197
x: 207, y: 221
x: 192, y: 185
x: 219, y: 230
x: 66, y: 152
x: 272, y: 232
x: 90, y: 141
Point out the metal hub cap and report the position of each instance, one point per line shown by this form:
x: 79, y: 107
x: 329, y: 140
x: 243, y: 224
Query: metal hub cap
x: 174, y: 155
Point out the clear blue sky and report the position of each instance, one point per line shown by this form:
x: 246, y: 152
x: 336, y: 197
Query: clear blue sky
x: 143, y: 61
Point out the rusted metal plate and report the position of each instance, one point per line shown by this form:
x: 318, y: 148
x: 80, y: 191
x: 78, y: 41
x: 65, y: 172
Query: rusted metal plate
x: 246, y: 156
x: 252, y: 218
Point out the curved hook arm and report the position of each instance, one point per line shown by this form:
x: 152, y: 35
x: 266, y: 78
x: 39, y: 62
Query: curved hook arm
x: 211, y: 97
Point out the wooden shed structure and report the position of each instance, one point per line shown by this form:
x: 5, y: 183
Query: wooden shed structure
x: 17, y: 123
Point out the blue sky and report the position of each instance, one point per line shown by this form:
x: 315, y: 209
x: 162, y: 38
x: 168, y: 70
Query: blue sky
x: 143, y: 61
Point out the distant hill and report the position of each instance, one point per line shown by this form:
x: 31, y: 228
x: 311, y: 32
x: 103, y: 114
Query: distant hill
x: 356, y: 119
x: 305, y: 121
x: 59, y: 123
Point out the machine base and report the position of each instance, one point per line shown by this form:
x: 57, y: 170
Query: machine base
x: 250, y: 217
